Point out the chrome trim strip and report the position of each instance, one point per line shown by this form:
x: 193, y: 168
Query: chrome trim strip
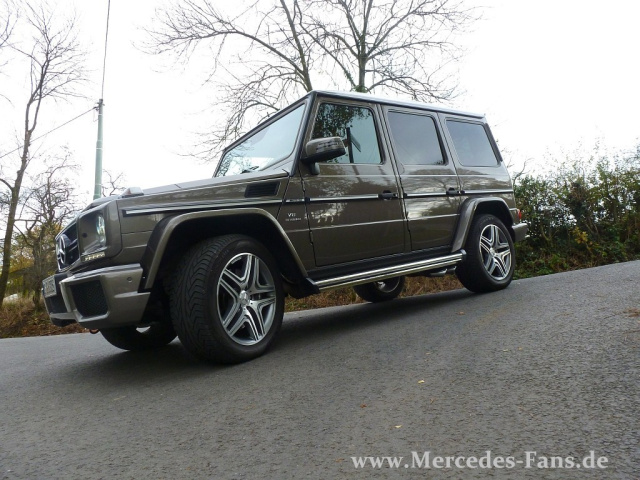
x: 425, y: 195
x: 485, y: 192
x: 433, y: 216
x: 198, y: 206
x: 347, y: 198
x: 388, y: 272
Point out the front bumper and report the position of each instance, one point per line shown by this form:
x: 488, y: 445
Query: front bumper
x: 103, y: 298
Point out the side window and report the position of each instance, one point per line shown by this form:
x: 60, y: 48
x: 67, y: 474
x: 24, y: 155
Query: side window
x: 472, y: 144
x: 415, y: 139
x: 355, y: 126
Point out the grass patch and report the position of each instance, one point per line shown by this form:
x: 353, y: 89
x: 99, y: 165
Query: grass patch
x: 346, y: 296
x: 21, y: 318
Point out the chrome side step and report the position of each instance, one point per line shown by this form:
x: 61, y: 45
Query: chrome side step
x: 389, y: 272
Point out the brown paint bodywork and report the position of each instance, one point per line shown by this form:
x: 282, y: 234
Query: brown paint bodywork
x: 322, y: 218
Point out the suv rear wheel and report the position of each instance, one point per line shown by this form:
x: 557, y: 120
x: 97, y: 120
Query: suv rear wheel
x: 380, y: 291
x: 227, y: 300
x: 490, y: 258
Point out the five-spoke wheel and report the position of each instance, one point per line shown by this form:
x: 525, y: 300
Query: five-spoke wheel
x: 490, y: 258
x: 246, y: 299
x: 496, y: 252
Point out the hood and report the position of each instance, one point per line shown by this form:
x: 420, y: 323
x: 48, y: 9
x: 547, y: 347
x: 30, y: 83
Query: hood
x: 163, y: 191
x: 203, y: 193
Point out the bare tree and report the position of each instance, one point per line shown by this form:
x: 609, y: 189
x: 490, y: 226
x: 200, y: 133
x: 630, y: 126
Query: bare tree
x: 7, y: 24
x: 112, y: 183
x: 270, y: 59
x: 394, y: 45
x: 47, y: 205
x: 269, y: 53
x: 55, y: 62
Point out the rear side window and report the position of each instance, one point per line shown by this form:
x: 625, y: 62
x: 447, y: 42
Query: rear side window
x: 472, y: 144
x: 356, y: 127
x: 415, y: 139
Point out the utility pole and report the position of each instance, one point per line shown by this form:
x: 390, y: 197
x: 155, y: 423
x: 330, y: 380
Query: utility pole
x: 97, y: 192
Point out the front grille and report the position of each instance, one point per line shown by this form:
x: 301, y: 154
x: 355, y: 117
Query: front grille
x: 89, y: 299
x: 67, y: 251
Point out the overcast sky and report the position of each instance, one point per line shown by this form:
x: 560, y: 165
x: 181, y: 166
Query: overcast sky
x: 550, y: 75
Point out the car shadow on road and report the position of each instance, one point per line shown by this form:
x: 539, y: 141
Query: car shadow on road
x: 335, y: 321
x: 173, y: 363
x: 119, y: 367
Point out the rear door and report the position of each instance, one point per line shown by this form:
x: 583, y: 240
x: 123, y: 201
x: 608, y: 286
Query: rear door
x: 353, y: 205
x: 480, y: 167
x: 428, y: 177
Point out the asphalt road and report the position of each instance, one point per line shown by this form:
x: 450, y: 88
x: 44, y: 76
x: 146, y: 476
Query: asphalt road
x: 549, y: 365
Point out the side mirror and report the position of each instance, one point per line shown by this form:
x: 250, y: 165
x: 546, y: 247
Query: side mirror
x: 321, y: 150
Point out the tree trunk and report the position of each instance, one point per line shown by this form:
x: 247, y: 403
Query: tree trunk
x: 8, y: 236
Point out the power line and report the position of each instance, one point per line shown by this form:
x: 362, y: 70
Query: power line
x: 50, y: 131
x: 106, y: 38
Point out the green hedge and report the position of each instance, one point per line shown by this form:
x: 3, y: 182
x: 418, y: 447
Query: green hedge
x: 583, y: 214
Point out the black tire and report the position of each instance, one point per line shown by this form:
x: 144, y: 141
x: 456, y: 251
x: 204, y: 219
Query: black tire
x: 227, y: 299
x: 381, y: 291
x: 490, y: 258
x: 156, y: 335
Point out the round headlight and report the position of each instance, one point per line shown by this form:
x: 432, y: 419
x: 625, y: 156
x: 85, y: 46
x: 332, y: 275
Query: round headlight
x: 101, y: 231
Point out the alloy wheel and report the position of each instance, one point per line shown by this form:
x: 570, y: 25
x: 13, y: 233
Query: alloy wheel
x: 246, y: 299
x: 495, y: 251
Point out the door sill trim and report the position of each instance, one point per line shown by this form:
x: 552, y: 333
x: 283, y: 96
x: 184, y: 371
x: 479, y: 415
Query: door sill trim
x: 389, y: 272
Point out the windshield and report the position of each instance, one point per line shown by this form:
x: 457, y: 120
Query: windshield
x: 265, y: 147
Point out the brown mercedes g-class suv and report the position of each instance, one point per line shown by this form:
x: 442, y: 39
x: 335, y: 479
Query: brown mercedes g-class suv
x: 338, y: 189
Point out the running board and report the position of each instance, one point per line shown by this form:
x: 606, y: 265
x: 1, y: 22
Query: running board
x: 389, y: 272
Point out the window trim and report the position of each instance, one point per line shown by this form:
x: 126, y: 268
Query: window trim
x: 304, y: 102
x: 487, y: 131
x: 436, y: 123
x: 313, y: 113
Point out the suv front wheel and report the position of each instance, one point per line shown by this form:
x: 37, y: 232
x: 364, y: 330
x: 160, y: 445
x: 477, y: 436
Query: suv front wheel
x: 490, y: 258
x: 227, y: 299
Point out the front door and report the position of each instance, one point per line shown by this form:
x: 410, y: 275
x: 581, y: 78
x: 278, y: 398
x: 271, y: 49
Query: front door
x: 354, y: 204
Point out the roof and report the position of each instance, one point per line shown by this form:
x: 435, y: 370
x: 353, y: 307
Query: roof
x: 367, y: 97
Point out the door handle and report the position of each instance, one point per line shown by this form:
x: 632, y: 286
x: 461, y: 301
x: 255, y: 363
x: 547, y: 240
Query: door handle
x: 451, y: 191
x: 387, y: 195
